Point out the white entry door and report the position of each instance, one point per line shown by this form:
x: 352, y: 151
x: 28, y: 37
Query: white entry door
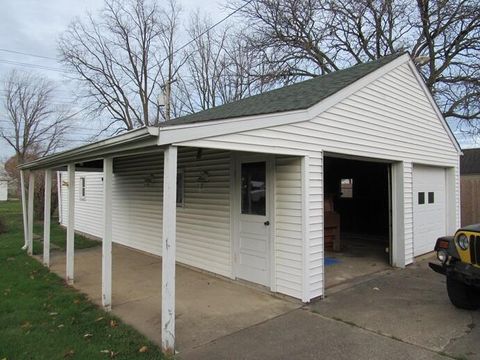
x: 252, y: 250
x: 429, y: 212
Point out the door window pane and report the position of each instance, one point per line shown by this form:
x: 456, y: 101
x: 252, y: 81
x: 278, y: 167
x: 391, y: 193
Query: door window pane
x: 253, y: 188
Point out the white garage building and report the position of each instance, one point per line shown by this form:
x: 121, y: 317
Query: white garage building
x: 3, y: 189
x: 246, y: 181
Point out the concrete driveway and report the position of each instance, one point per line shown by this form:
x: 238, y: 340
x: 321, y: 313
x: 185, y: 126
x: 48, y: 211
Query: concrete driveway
x: 397, y: 314
x: 207, y: 307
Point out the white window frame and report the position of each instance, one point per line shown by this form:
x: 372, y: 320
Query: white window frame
x: 83, y: 188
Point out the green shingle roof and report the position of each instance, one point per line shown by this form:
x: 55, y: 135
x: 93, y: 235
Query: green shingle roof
x: 297, y: 96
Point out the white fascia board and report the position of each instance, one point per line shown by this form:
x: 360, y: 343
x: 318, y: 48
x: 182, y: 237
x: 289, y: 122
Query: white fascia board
x: 188, y: 132
x: 434, y: 105
x: 179, y: 133
x: 263, y: 149
x: 98, y: 149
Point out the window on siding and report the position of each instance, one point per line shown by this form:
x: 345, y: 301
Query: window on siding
x: 431, y: 197
x: 180, y: 188
x: 346, y: 188
x: 253, y: 188
x: 421, y: 198
x: 83, y: 186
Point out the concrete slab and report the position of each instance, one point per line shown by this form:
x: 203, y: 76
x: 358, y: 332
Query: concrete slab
x: 207, y: 307
x: 301, y: 334
x: 396, y: 314
x: 360, y: 256
x: 410, y: 305
x: 468, y: 345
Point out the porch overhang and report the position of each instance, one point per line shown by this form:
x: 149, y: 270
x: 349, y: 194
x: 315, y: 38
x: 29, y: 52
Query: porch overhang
x: 143, y: 139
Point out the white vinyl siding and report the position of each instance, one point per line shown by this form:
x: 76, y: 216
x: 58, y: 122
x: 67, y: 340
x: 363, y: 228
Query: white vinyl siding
x: 88, y: 211
x: 315, y: 256
x: 288, y: 226
x: 137, y: 202
x: 203, y: 223
x: 390, y: 119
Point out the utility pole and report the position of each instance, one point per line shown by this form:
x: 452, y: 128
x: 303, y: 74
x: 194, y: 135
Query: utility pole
x: 166, y: 102
x: 168, y: 85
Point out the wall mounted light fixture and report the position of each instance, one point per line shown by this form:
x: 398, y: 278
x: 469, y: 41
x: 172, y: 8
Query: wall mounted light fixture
x: 149, y: 180
x: 202, y: 179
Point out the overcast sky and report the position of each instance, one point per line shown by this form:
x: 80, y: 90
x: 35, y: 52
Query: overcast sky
x: 33, y: 26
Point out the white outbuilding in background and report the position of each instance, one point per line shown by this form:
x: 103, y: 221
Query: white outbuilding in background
x: 3, y: 189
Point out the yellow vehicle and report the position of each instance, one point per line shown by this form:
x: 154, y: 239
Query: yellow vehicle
x: 459, y: 258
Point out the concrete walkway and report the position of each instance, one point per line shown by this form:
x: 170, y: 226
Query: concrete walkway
x: 207, y: 307
x: 399, y: 314
x: 395, y: 314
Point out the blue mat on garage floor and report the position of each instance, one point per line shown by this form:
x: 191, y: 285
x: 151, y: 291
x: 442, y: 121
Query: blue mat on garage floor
x: 331, y: 261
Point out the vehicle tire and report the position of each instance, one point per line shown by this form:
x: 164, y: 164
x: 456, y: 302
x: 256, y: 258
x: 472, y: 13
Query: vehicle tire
x: 462, y: 295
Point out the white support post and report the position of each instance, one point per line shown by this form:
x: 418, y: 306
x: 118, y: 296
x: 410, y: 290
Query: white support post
x: 31, y: 194
x: 168, y: 249
x: 59, y: 192
x: 399, y: 186
x: 24, y: 209
x: 305, y: 163
x: 107, y: 235
x: 70, y: 224
x: 46, y: 217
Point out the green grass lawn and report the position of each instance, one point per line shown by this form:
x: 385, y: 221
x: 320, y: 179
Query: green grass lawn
x: 42, y: 318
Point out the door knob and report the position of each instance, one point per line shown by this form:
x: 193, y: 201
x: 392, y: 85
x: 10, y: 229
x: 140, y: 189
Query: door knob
x: 266, y: 223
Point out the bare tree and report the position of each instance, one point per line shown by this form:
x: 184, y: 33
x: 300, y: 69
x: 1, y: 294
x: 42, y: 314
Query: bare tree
x: 449, y: 36
x: 205, y: 66
x: 366, y: 30
x: 245, y: 75
x: 446, y: 34
x: 124, y: 56
x: 34, y: 125
x: 220, y: 67
x: 305, y: 38
x: 174, y: 62
x: 39, y: 191
x: 290, y: 36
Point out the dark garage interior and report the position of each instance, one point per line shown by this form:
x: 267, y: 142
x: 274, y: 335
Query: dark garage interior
x: 357, y: 218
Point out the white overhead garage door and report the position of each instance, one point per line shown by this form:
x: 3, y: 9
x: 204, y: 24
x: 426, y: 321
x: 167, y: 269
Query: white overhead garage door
x: 429, y: 207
